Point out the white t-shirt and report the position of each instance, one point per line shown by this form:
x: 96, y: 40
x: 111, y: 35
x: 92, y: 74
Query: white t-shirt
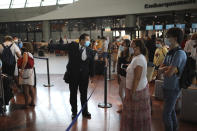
x: 139, y: 60
x: 14, y: 48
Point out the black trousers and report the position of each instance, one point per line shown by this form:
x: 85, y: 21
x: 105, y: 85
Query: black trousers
x: 7, y: 82
x: 82, y: 85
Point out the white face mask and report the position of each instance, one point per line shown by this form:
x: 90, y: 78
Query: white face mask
x: 16, y: 41
x: 131, y: 50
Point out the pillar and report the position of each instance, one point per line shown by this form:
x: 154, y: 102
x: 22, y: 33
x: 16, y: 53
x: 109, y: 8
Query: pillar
x: 46, y: 30
x: 130, y: 22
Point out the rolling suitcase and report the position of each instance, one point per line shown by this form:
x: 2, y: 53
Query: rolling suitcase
x: 159, y: 89
x: 189, y: 105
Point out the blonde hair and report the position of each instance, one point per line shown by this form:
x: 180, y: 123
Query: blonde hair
x: 8, y: 38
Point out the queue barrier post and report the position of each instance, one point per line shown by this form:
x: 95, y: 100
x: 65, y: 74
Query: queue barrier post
x: 109, y: 61
x: 48, y: 75
x: 105, y: 104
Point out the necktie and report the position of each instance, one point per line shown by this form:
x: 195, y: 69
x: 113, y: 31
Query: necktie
x: 81, y: 50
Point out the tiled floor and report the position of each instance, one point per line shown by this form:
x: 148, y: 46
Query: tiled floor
x: 52, y: 111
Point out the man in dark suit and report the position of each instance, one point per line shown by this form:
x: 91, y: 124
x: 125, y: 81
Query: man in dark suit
x: 80, y: 67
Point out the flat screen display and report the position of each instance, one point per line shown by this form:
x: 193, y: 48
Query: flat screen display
x: 194, y: 26
x: 158, y: 27
x: 149, y: 27
x: 182, y: 26
x: 169, y: 26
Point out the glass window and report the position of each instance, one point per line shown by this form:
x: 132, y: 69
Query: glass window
x: 18, y: 3
x: 65, y: 1
x: 33, y: 3
x: 4, y: 4
x: 49, y: 2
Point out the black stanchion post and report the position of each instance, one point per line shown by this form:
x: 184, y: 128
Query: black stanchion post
x: 48, y: 76
x: 110, y: 67
x: 105, y: 104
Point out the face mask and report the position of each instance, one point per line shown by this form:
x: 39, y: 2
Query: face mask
x: 87, y: 43
x: 118, y: 40
x: 16, y: 41
x: 20, y: 45
x: 158, y: 45
x: 131, y: 50
x: 121, y: 48
x: 167, y: 42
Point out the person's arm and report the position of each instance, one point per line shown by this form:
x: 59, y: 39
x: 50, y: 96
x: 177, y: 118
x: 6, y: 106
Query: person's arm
x: 171, y: 71
x: 25, y: 60
x: 60, y: 46
x: 177, y: 61
x: 127, y: 95
x: 18, y: 54
x: 163, y: 67
x: 137, y: 76
x: 17, y: 51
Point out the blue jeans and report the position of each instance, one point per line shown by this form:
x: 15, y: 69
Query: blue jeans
x: 169, y: 114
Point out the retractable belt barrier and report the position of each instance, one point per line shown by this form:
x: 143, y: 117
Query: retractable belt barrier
x: 48, y: 75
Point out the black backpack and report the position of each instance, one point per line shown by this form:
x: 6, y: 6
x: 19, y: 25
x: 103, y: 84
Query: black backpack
x: 7, y: 58
x: 189, y: 72
x: 189, y: 69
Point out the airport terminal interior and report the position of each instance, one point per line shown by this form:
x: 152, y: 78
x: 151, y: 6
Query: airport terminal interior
x: 98, y: 65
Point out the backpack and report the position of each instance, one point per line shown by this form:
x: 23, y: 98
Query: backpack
x: 7, y: 58
x: 185, y: 79
x: 188, y: 73
x: 29, y: 65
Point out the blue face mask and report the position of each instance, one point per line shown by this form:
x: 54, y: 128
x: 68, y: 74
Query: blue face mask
x: 121, y: 48
x: 167, y: 42
x: 20, y: 45
x: 131, y: 50
x: 158, y: 45
x: 87, y: 44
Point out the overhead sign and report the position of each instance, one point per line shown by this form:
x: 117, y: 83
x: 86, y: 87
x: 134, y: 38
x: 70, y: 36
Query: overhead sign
x: 149, y: 27
x: 194, y: 26
x: 168, y: 4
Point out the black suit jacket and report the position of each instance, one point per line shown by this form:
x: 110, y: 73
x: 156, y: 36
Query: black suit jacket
x: 76, y: 67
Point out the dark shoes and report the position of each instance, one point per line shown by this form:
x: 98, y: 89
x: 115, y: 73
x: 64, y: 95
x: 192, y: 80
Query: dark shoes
x: 74, y: 115
x: 87, y: 115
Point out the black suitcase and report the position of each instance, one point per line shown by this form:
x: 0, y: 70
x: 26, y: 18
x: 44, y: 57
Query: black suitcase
x: 99, y: 67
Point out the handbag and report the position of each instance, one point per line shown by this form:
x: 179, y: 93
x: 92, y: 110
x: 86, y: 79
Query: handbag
x: 66, y: 77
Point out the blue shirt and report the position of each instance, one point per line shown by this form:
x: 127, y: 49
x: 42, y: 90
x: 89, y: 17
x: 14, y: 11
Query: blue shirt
x: 178, y: 59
